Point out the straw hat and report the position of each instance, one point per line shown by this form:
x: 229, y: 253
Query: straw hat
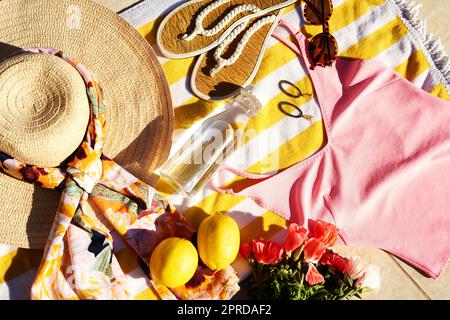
x: 44, y: 108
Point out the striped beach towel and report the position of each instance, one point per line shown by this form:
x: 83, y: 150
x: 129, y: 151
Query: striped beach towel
x: 387, y: 30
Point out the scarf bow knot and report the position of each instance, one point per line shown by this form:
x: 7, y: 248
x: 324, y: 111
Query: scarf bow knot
x: 86, y: 172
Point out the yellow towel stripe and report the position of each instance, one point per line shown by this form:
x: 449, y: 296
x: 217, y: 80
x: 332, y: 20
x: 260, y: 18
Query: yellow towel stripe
x: 274, y: 58
x: 413, y: 66
x: 304, y: 144
x: 176, y: 70
x: 192, y: 111
x: 377, y: 41
x: 5, y: 264
x: 148, y: 31
x: 147, y: 294
x: 18, y: 262
x: 350, y: 11
x: 343, y: 15
x: 265, y: 226
x: 440, y: 91
x: 270, y: 114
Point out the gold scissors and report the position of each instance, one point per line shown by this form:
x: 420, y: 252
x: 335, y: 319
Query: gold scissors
x: 283, y: 104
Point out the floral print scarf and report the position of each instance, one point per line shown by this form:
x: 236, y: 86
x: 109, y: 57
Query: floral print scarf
x: 98, y: 197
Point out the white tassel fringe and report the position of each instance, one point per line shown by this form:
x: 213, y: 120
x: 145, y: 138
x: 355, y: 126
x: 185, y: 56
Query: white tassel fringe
x: 440, y: 62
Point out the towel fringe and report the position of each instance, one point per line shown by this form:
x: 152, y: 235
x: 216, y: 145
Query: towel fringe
x: 409, y: 12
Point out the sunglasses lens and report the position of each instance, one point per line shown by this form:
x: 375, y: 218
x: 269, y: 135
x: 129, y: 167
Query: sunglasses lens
x: 323, y: 49
x: 317, y: 12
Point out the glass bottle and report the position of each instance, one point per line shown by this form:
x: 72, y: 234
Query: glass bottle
x: 191, y: 166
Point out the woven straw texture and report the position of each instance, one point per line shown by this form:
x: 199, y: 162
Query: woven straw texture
x: 43, y: 95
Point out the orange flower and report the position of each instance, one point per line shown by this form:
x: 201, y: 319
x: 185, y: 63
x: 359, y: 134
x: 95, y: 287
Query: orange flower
x: 313, y: 276
x: 314, y: 249
x: 325, y: 232
x: 267, y: 252
x: 295, y: 238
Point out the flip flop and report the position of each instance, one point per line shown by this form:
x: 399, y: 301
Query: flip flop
x: 220, y: 73
x: 197, y: 26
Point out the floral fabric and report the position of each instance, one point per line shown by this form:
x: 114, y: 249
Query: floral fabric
x: 98, y: 196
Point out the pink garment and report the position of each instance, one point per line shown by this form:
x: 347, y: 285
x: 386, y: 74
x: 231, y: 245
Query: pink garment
x: 384, y: 175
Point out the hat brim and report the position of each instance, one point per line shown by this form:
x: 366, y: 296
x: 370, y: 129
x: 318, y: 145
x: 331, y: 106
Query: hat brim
x: 139, y: 115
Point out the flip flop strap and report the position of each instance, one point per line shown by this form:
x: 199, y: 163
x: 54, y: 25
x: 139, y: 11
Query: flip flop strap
x: 222, y: 62
x: 199, y: 30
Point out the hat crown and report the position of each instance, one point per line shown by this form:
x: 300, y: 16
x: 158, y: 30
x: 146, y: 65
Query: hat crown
x: 44, y: 109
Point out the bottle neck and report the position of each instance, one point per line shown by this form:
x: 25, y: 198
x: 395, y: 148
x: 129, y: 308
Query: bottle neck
x: 240, y: 110
x: 248, y: 102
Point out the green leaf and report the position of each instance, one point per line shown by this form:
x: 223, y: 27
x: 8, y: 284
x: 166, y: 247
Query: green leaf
x: 350, y: 281
x: 286, y: 281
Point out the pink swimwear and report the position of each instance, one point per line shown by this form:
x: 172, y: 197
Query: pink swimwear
x: 384, y: 176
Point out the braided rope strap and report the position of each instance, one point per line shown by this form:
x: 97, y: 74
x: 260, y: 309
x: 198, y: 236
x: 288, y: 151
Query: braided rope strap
x: 221, y: 62
x: 199, y: 30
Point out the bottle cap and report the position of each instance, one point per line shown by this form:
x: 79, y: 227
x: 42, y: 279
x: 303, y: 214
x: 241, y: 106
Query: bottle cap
x: 248, y: 102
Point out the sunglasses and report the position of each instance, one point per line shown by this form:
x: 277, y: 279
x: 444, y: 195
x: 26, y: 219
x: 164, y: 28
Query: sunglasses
x: 322, y: 47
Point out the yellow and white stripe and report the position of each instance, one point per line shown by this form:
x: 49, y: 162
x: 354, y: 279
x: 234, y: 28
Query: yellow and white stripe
x: 363, y: 28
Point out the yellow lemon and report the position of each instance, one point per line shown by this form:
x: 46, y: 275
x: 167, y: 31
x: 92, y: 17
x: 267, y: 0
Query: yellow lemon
x: 218, y: 241
x: 173, y: 262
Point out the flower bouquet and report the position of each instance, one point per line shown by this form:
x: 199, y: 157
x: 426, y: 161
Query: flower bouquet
x: 306, y: 268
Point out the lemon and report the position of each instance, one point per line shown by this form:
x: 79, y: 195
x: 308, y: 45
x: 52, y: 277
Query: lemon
x: 218, y: 241
x: 173, y: 262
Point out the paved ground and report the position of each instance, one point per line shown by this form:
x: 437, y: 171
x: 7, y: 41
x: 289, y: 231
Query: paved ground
x: 399, y: 281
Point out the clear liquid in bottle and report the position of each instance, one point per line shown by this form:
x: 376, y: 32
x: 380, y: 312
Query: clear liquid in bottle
x: 188, y: 168
x: 198, y: 155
